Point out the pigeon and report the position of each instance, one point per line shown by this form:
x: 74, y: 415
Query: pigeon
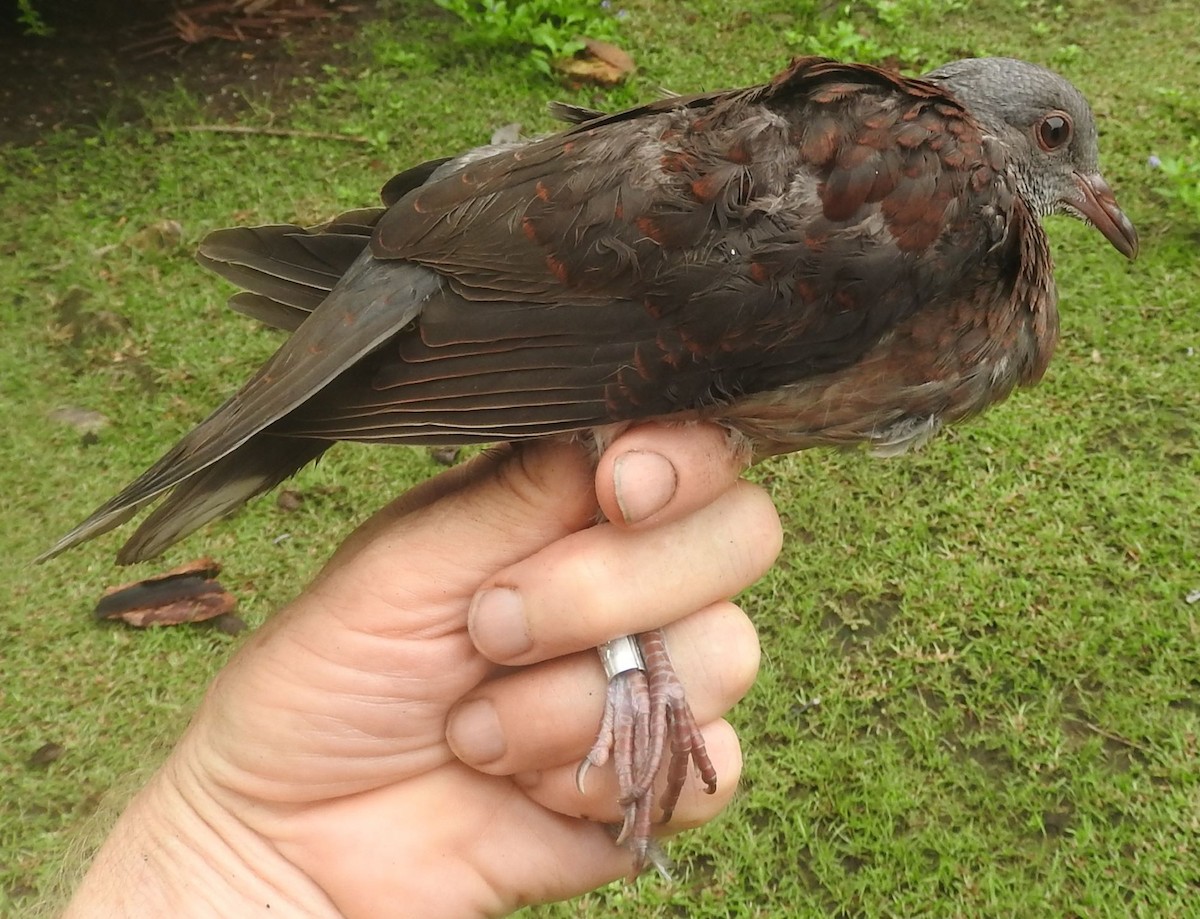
x: 839, y: 256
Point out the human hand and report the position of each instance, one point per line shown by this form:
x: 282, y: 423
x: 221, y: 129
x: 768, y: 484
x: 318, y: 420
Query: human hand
x: 320, y: 774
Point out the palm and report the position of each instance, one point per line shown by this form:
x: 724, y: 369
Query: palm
x: 354, y: 708
x: 330, y: 728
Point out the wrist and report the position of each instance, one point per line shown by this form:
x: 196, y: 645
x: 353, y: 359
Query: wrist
x: 176, y: 852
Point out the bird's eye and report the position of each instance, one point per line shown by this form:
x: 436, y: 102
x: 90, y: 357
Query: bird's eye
x: 1054, y: 131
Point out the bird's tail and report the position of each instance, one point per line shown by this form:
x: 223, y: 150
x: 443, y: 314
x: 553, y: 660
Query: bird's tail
x: 255, y: 467
x: 287, y: 272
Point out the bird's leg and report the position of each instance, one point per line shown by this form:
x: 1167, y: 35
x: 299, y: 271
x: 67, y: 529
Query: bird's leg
x: 670, y: 715
x: 645, y: 709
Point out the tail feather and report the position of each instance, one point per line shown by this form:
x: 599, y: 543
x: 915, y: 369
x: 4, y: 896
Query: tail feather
x: 272, y: 313
x: 253, y: 468
x: 287, y: 264
x: 289, y: 273
x: 377, y: 300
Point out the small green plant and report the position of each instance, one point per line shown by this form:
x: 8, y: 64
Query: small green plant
x: 870, y: 31
x: 1180, y: 176
x: 31, y: 19
x: 544, y: 29
x: 1067, y: 56
x: 840, y: 39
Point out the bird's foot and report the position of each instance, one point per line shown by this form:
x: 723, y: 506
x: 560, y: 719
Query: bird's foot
x: 644, y: 711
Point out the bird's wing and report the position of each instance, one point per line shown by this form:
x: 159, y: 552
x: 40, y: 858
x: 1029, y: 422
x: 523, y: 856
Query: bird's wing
x: 677, y: 257
x: 289, y: 273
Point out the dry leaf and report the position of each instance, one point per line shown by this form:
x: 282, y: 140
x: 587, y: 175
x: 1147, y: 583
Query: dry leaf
x: 158, y: 236
x: 598, y: 62
x: 189, y: 593
x: 46, y: 754
x: 289, y: 500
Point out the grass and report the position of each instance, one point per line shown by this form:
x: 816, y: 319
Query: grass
x: 996, y: 628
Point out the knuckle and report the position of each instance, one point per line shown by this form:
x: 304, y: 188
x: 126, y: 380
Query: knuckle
x: 573, y: 595
x: 744, y: 652
x: 748, y: 533
x: 762, y: 526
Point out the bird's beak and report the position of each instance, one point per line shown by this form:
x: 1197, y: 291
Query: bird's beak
x: 1095, y: 201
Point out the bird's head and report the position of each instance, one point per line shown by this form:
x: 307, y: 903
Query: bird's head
x: 1050, y: 131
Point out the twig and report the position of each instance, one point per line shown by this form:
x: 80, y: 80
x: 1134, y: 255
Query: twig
x: 268, y: 132
x: 1110, y: 735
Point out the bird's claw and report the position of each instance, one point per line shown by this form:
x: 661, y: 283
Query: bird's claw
x: 644, y: 712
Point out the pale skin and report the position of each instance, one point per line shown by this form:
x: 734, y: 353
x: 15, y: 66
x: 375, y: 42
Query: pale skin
x: 397, y: 741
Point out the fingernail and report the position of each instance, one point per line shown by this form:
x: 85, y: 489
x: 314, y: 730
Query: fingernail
x: 497, y: 624
x: 474, y: 733
x: 644, y: 482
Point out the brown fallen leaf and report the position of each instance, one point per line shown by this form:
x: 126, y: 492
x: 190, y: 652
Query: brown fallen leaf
x: 188, y: 593
x: 598, y: 62
x: 289, y: 500
x: 46, y: 754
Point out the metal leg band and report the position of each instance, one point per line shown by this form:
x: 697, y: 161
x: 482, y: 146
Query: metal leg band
x: 621, y: 655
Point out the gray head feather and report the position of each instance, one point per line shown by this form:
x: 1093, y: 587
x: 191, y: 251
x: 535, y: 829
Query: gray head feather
x: 1012, y: 99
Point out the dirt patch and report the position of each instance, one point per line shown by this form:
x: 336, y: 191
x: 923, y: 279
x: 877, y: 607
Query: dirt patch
x: 104, y: 54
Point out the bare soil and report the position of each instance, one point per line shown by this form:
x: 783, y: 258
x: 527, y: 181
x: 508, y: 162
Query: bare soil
x: 102, y: 54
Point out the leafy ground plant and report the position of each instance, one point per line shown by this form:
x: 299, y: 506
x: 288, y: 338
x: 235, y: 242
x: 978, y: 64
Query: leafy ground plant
x: 1180, y: 184
x: 30, y: 19
x: 546, y: 29
x: 872, y: 31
